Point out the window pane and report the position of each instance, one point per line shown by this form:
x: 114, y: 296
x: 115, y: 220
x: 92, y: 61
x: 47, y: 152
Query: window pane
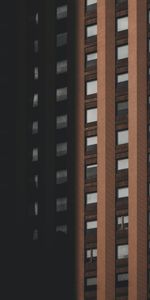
x: 122, y: 52
x: 35, y: 154
x: 61, y: 12
x: 122, y: 251
x: 122, y: 164
x: 35, y: 100
x: 91, y: 281
x: 122, y: 24
x: 61, y: 94
x: 91, y: 31
x: 61, y: 204
x: 122, y: 192
x: 90, y: 2
x: 122, y: 223
x: 91, y: 142
x: 61, y: 228
x: 61, y: 67
x: 91, y: 171
x: 36, y: 73
x: 122, y: 277
x: 91, y: 87
x: 122, y: 77
x: 122, y: 137
x: 61, y: 39
x: 61, y: 176
x: 36, y: 46
x: 91, y: 253
x: 122, y: 108
x: 91, y: 59
x: 61, y: 122
x: 91, y: 115
x: 91, y: 198
x: 35, y: 127
x: 91, y: 225
x: 61, y: 149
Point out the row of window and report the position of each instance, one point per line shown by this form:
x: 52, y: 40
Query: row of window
x: 121, y: 223
x: 91, y: 88
x: 120, y: 278
x: 62, y: 120
x: 121, y: 252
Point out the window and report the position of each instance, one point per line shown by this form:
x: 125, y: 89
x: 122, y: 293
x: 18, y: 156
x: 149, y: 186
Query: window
x: 122, y: 277
x: 35, y: 127
x: 61, y: 67
x: 90, y: 2
x: 91, y: 59
x: 122, y: 192
x: 61, y: 204
x: 122, y: 223
x: 149, y: 17
x: 91, y: 87
x: 61, y: 39
x: 90, y: 5
x: 37, y: 18
x: 122, y: 251
x: 61, y: 149
x: 122, y: 108
x: 122, y: 137
x: 35, y: 154
x: 36, y: 181
x: 91, y: 198
x: 91, y: 281
x: 35, y: 235
x: 36, y: 73
x: 122, y: 164
x: 61, y: 176
x: 61, y: 122
x: 61, y: 12
x: 91, y: 143
x: 122, y: 23
x: 91, y: 225
x: 122, y: 52
x: 61, y: 228
x: 91, y: 115
x: 122, y: 78
x: 91, y: 254
x: 35, y: 100
x: 61, y: 94
x: 36, y: 46
x: 91, y: 31
x: 36, y: 208
x: 91, y: 171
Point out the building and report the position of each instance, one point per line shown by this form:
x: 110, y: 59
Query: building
x: 74, y: 155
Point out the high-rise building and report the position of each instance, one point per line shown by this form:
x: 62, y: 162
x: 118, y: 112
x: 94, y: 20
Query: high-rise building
x: 74, y: 155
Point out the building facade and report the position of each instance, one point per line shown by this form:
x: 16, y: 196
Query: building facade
x: 74, y: 155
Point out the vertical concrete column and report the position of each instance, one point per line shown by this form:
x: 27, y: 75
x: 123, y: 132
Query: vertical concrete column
x: 137, y: 150
x: 80, y: 106
x: 106, y: 150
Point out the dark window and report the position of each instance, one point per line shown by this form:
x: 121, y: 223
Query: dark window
x: 122, y: 108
